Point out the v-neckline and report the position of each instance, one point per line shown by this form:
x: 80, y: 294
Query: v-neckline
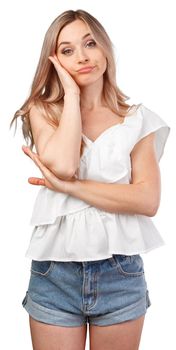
x: 103, y: 132
x: 110, y: 128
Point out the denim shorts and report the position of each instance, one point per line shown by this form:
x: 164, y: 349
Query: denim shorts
x: 102, y: 292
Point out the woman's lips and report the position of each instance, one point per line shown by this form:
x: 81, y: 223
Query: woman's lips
x: 86, y: 70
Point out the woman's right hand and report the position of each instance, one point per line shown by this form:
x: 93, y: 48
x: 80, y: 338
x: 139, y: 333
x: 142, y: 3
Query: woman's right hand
x: 67, y: 81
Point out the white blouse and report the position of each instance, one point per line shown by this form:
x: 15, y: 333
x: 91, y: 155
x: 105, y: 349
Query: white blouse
x: 69, y: 229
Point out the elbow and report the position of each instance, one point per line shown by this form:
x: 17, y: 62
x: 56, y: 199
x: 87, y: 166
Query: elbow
x: 150, y: 201
x: 152, y: 209
x: 64, y: 173
x: 152, y: 212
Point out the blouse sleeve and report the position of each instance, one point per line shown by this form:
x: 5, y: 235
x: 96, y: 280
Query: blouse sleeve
x: 152, y: 122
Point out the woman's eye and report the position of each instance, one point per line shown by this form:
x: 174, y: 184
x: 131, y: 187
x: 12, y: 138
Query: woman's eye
x: 91, y: 43
x: 66, y: 51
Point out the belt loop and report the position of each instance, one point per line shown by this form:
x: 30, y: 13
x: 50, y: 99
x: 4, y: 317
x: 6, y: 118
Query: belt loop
x: 112, y: 261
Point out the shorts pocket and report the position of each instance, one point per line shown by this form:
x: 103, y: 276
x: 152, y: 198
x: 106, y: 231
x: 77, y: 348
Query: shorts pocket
x: 42, y: 268
x: 129, y: 265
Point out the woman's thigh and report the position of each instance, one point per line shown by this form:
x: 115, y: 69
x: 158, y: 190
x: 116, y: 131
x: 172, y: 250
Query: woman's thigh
x: 125, y: 335
x: 49, y: 337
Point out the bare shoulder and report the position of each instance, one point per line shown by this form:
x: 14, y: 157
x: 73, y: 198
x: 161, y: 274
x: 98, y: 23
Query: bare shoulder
x: 36, y: 115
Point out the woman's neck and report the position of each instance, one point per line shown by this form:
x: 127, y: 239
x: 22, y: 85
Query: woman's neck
x: 92, y: 97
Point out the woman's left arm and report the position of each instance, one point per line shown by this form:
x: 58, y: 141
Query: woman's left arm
x: 141, y: 196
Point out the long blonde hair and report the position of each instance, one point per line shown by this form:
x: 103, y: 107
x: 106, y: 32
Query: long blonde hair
x: 47, y: 91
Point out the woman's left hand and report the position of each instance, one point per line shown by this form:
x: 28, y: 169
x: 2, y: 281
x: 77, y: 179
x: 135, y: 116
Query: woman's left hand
x: 50, y: 180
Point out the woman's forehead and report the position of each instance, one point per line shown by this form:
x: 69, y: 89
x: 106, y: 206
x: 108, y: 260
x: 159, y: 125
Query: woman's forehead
x: 77, y: 29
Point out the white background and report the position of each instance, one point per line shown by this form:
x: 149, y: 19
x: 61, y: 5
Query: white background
x: 143, y: 34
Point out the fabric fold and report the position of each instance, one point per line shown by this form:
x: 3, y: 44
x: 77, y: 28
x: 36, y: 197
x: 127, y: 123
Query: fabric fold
x: 93, y: 234
x: 152, y: 122
x: 50, y: 204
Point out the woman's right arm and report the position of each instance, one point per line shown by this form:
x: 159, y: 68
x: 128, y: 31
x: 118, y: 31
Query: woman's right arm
x: 59, y: 148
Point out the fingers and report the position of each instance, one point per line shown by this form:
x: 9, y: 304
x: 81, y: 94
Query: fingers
x: 31, y: 154
x: 25, y: 150
x: 36, y: 181
x: 50, y: 180
x: 28, y: 151
x: 53, y: 59
x: 61, y: 71
x: 40, y: 182
x: 36, y: 160
x: 48, y: 175
x: 65, y: 77
x: 56, y: 63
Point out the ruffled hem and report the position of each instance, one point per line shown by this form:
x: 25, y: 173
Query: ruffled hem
x: 93, y: 234
x: 96, y: 257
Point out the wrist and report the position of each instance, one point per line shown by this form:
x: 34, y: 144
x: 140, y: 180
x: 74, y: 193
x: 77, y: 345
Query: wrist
x: 71, y: 93
x: 71, y: 187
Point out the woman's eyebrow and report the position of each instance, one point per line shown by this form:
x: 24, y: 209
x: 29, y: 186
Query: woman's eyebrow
x: 68, y: 42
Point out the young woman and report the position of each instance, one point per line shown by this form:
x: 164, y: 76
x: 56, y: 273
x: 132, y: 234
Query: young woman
x: 100, y: 185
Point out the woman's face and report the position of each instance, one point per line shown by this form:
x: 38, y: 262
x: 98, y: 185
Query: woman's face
x: 77, y: 49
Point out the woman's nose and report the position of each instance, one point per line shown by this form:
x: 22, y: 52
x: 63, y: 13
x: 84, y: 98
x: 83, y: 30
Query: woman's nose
x: 82, y: 56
